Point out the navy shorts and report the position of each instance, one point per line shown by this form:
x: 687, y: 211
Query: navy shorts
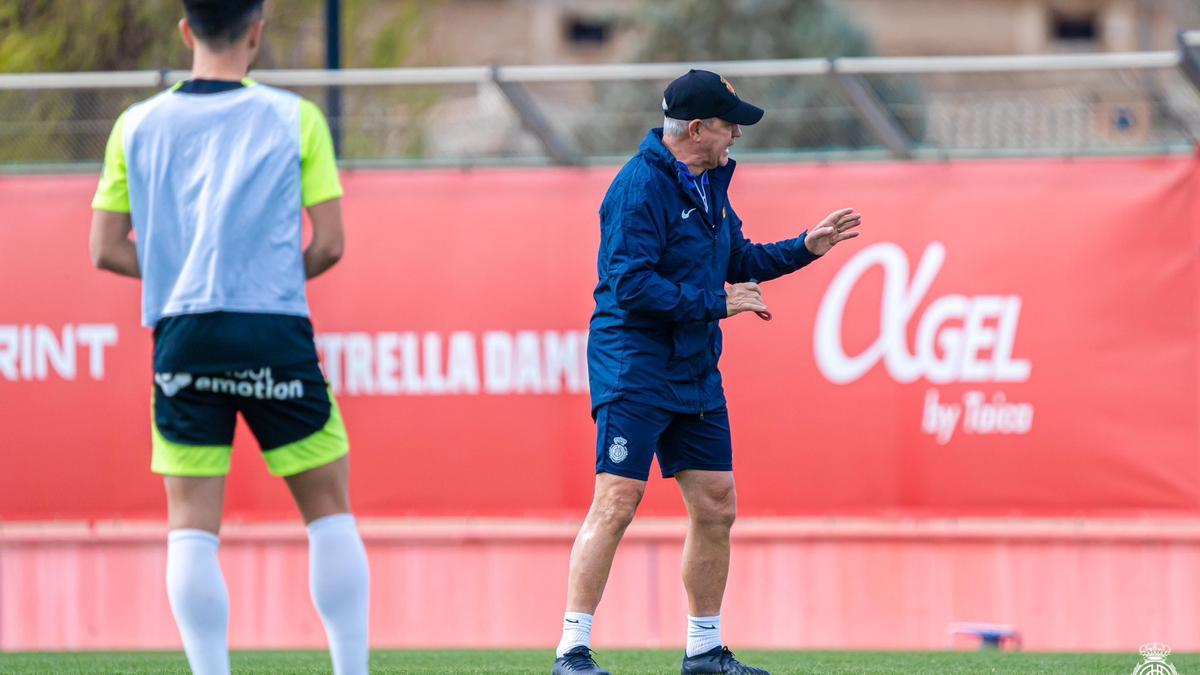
x: 629, y: 435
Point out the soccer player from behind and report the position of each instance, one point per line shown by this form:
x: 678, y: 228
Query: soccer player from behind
x: 211, y: 176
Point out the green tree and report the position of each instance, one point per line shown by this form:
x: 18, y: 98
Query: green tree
x: 104, y: 35
x: 65, y: 35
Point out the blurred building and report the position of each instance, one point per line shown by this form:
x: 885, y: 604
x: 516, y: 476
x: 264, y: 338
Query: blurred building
x: 930, y: 27
x: 597, y: 31
x: 1038, y: 111
x: 1074, y: 111
x: 529, y: 31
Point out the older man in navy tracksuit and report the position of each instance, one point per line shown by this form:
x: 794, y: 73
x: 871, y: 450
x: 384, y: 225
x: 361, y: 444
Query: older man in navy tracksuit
x: 670, y: 243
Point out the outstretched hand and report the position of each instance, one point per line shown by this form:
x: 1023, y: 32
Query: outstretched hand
x: 837, y: 227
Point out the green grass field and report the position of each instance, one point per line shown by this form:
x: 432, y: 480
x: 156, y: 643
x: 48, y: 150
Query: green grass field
x: 620, y: 662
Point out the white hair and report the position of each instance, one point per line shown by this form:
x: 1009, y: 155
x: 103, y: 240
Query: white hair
x: 673, y: 128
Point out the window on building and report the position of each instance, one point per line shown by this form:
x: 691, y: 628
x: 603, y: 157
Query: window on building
x: 1073, y: 29
x: 585, y: 31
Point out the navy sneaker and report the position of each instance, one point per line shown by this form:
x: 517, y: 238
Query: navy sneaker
x: 717, y: 660
x: 577, y: 660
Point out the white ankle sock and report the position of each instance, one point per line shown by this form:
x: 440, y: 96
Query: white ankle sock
x: 339, y: 580
x: 199, y: 599
x: 577, y: 630
x: 704, y: 633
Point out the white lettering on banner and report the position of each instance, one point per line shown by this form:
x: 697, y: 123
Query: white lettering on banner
x: 958, y: 338
x: 997, y: 416
x: 463, y: 366
x: 34, y: 352
x: 359, y: 354
x: 498, y: 362
x: 940, y: 420
x: 433, y: 364
x: 963, y: 349
x: 564, y: 352
x: 978, y: 415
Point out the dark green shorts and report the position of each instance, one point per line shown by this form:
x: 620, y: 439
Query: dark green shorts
x: 290, y: 410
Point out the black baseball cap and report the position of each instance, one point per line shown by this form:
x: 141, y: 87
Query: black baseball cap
x: 701, y: 94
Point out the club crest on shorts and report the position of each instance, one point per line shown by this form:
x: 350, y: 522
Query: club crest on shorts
x: 617, y: 452
x: 171, y: 383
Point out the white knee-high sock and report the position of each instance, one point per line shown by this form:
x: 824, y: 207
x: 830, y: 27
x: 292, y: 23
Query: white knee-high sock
x: 199, y: 599
x: 577, y: 632
x: 339, y: 580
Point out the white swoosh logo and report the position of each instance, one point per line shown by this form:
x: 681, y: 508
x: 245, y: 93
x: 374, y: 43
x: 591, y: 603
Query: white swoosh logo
x: 687, y: 214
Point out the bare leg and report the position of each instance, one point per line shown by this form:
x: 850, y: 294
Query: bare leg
x: 195, y: 503
x: 712, y: 506
x: 323, y: 491
x: 614, y: 503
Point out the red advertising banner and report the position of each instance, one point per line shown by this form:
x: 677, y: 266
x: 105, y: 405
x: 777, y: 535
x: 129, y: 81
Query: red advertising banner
x: 1006, y: 338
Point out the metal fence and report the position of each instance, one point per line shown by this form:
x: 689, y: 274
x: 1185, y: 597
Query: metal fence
x: 928, y: 107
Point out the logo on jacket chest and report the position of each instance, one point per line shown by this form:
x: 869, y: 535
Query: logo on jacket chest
x: 686, y: 214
